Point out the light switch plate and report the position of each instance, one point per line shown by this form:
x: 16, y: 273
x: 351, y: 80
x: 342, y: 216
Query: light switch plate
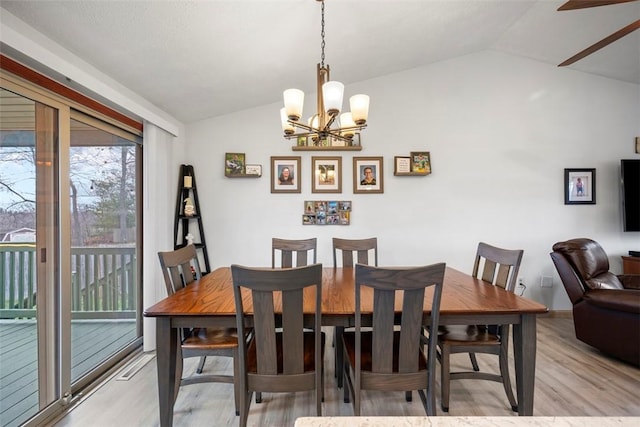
x: 546, y: 281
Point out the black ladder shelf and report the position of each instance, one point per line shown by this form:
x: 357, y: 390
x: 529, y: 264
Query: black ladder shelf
x: 187, y: 189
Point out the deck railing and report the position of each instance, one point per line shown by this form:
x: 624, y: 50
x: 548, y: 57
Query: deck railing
x: 103, y: 283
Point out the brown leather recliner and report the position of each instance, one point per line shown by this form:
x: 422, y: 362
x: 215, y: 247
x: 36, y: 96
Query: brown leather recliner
x: 606, y: 307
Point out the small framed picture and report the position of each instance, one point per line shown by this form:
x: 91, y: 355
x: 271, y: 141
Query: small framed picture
x: 234, y: 164
x: 254, y: 170
x: 326, y: 174
x: 579, y: 186
x: 367, y: 175
x: 402, y: 165
x: 420, y: 162
x: 285, y: 174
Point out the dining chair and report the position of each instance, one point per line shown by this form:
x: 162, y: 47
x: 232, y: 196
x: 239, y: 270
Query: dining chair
x: 284, y: 352
x: 498, y: 267
x: 283, y: 254
x: 361, y: 250
x: 180, y: 268
x: 289, y: 248
x: 385, y: 357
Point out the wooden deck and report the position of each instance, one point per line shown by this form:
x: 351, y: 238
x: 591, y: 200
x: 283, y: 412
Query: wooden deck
x: 91, y: 342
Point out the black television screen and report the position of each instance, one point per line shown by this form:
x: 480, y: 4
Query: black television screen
x: 630, y: 180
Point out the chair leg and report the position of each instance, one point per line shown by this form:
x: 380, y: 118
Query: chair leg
x: 322, y: 382
x: 236, y: 380
x: 339, y: 353
x: 444, y: 377
x: 356, y: 398
x: 474, y: 362
x: 245, y: 402
x: 201, y: 364
x: 407, y: 396
x: 258, y: 397
x: 347, y: 384
x: 504, y: 372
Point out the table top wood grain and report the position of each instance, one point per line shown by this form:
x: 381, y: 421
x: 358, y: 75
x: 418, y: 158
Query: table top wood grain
x: 462, y: 295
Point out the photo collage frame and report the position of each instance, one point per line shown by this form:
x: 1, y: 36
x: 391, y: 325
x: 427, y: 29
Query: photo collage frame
x: 327, y: 212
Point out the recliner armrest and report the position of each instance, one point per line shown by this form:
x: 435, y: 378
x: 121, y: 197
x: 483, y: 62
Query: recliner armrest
x: 626, y: 300
x: 630, y: 281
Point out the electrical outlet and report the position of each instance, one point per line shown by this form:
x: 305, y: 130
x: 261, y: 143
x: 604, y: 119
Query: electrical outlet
x: 546, y: 281
x: 520, y: 287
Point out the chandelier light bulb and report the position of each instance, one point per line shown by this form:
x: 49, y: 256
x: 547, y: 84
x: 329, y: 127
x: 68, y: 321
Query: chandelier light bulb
x: 314, y: 121
x: 286, y: 126
x: 359, y: 108
x: 293, y: 102
x: 332, y: 93
x: 346, y: 121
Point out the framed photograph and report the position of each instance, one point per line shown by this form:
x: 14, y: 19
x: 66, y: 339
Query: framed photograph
x: 579, y: 186
x: 420, y: 162
x: 326, y: 174
x: 234, y: 164
x: 401, y: 165
x: 254, y: 170
x: 367, y: 175
x: 285, y: 174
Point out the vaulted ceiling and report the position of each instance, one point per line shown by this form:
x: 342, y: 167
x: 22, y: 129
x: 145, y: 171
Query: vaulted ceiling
x: 198, y: 59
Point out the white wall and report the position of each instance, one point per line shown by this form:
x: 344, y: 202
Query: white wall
x: 500, y: 129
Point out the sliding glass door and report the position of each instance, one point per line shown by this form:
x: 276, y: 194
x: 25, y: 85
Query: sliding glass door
x: 104, y: 291
x: 29, y: 257
x: 69, y: 252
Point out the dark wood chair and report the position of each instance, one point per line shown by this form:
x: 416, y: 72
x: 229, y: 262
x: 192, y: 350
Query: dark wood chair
x: 360, y: 250
x: 279, y: 324
x: 500, y: 268
x: 386, y: 357
x: 180, y: 268
x: 283, y: 254
x: 290, y: 248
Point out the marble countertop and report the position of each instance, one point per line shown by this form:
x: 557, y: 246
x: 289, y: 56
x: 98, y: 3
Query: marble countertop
x: 466, y: 421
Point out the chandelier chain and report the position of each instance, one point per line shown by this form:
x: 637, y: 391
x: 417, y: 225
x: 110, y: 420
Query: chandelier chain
x: 322, y: 35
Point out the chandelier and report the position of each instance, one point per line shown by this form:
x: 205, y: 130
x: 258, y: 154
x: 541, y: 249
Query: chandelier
x: 327, y: 123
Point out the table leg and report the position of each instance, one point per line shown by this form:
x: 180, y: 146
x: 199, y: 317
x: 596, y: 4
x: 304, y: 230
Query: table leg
x: 166, y: 353
x: 524, y: 346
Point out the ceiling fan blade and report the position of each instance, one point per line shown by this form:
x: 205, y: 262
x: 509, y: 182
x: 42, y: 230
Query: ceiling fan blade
x: 602, y: 43
x: 583, y: 4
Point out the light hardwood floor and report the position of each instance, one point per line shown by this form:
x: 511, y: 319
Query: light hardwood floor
x: 572, y: 379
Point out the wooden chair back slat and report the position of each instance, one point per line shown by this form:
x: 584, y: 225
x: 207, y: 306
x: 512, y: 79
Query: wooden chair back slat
x: 411, y: 327
x: 292, y: 333
x: 264, y: 331
x: 382, y: 344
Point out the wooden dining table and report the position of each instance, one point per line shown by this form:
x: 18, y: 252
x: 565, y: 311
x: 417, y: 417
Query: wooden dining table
x: 465, y: 300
